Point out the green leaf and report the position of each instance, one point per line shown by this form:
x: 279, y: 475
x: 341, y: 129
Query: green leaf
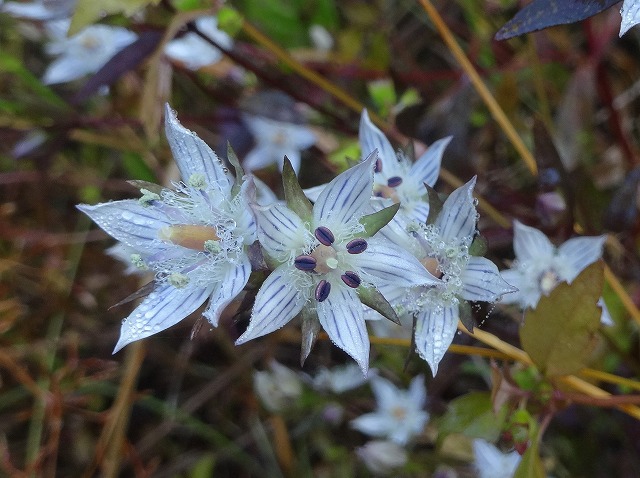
x: 88, y: 11
x: 478, y: 247
x: 293, y: 193
x: 466, y: 316
x: 237, y: 167
x: 136, y: 167
x: 472, y: 415
x: 374, y: 222
x: 530, y: 466
x: 371, y: 297
x: 559, y: 334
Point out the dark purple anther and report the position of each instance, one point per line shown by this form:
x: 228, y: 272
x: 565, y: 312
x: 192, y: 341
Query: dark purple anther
x: 305, y: 263
x: 378, y: 166
x: 356, y: 246
x: 394, y: 181
x: 324, y: 235
x: 351, y: 279
x: 322, y: 290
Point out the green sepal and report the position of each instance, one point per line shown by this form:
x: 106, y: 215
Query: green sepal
x: 239, y: 172
x: 310, y: 331
x: 435, y: 204
x: 479, y: 246
x: 371, y: 297
x: 412, y: 349
x: 374, y: 222
x: 152, y: 187
x: 229, y: 20
x: 293, y: 193
x: 466, y: 316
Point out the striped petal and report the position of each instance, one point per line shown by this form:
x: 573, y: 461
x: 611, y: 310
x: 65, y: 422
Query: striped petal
x: 129, y: 222
x: 580, y: 252
x: 434, y: 332
x: 278, y: 301
x: 371, y: 139
x: 458, y: 216
x: 346, y: 197
x: 630, y: 13
x: 280, y: 230
x: 342, y: 317
x: 386, y: 263
x: 164, y: 307
x: 426, y: 169
x: 193, y: 155
x: 481, y: 281
x: 530, y: 243
x: 226, y: 289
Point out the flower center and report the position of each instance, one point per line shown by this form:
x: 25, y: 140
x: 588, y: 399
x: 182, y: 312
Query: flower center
x: 399, y: 413
x: 326, y: 259
x: 433, y: 266
x: 194, y: 237
x: 548, y: 280
x: 382, y: 191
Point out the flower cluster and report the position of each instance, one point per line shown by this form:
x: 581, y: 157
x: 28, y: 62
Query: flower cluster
x: 376, y: 242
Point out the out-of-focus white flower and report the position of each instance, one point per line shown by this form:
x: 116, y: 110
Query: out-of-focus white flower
x: 40, y: 10
x: 630, y: 13
x: 277, y: 388
x: 275, y: 140
x: 321, y: 38
x: 340, y: 379
x: 443, y: 247
x: 195, y: 52
x: 382, y: 457
x: 324, y: 259
x: 540, y: 266
x: 193, y: 238
x: 399, y: 415
x: 83, y: 53
x: 492, y: 463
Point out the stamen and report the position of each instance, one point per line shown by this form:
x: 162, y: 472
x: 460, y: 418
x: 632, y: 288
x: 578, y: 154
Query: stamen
x: 378, y: 166
x: 351, y: 279
x: 356, y: 246
x: 148, y: 197
x: 324, y: 235
x: 322, y: 290
x: 178, y: 280
x: 137, y: 261
x: 394, y: 181
x: 197, y: 181
x: 305, y: 263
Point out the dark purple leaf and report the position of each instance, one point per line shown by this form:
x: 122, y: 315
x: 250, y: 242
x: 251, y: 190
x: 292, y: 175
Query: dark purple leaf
x: 541, y: 14
x: 125, y: 60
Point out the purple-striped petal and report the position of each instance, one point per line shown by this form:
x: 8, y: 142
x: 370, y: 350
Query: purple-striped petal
x: 228, y: 286
x: 482, y: 282
x: 129, y: 222
x: 342, y: 317
x: 346, y: 197
x: 580, y: 252
x: 164, y: 307
x: 426, y: 169
x: 385, y: 263
x: 435, y: 329
x: 278, y: 301
x: 530, y: 243
x: 371, y: 138
x: 280, y: 230
x: 193, y: 155
x: 458, y: 216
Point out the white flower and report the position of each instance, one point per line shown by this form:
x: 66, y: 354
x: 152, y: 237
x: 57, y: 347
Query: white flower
x: 492, y: 463
x: 195, y: 52
x: 540, y: 266
x: 40, y: 10
x: 83, y: 53
x: 275, y: 140
x: 443, y: 247
x: 382, y: 457
x: 324, y: 259
x: 277, y: 388
x: 399, y: 415
x: 339, y: 379
x: 630, y: 13
x: 193, y: 238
